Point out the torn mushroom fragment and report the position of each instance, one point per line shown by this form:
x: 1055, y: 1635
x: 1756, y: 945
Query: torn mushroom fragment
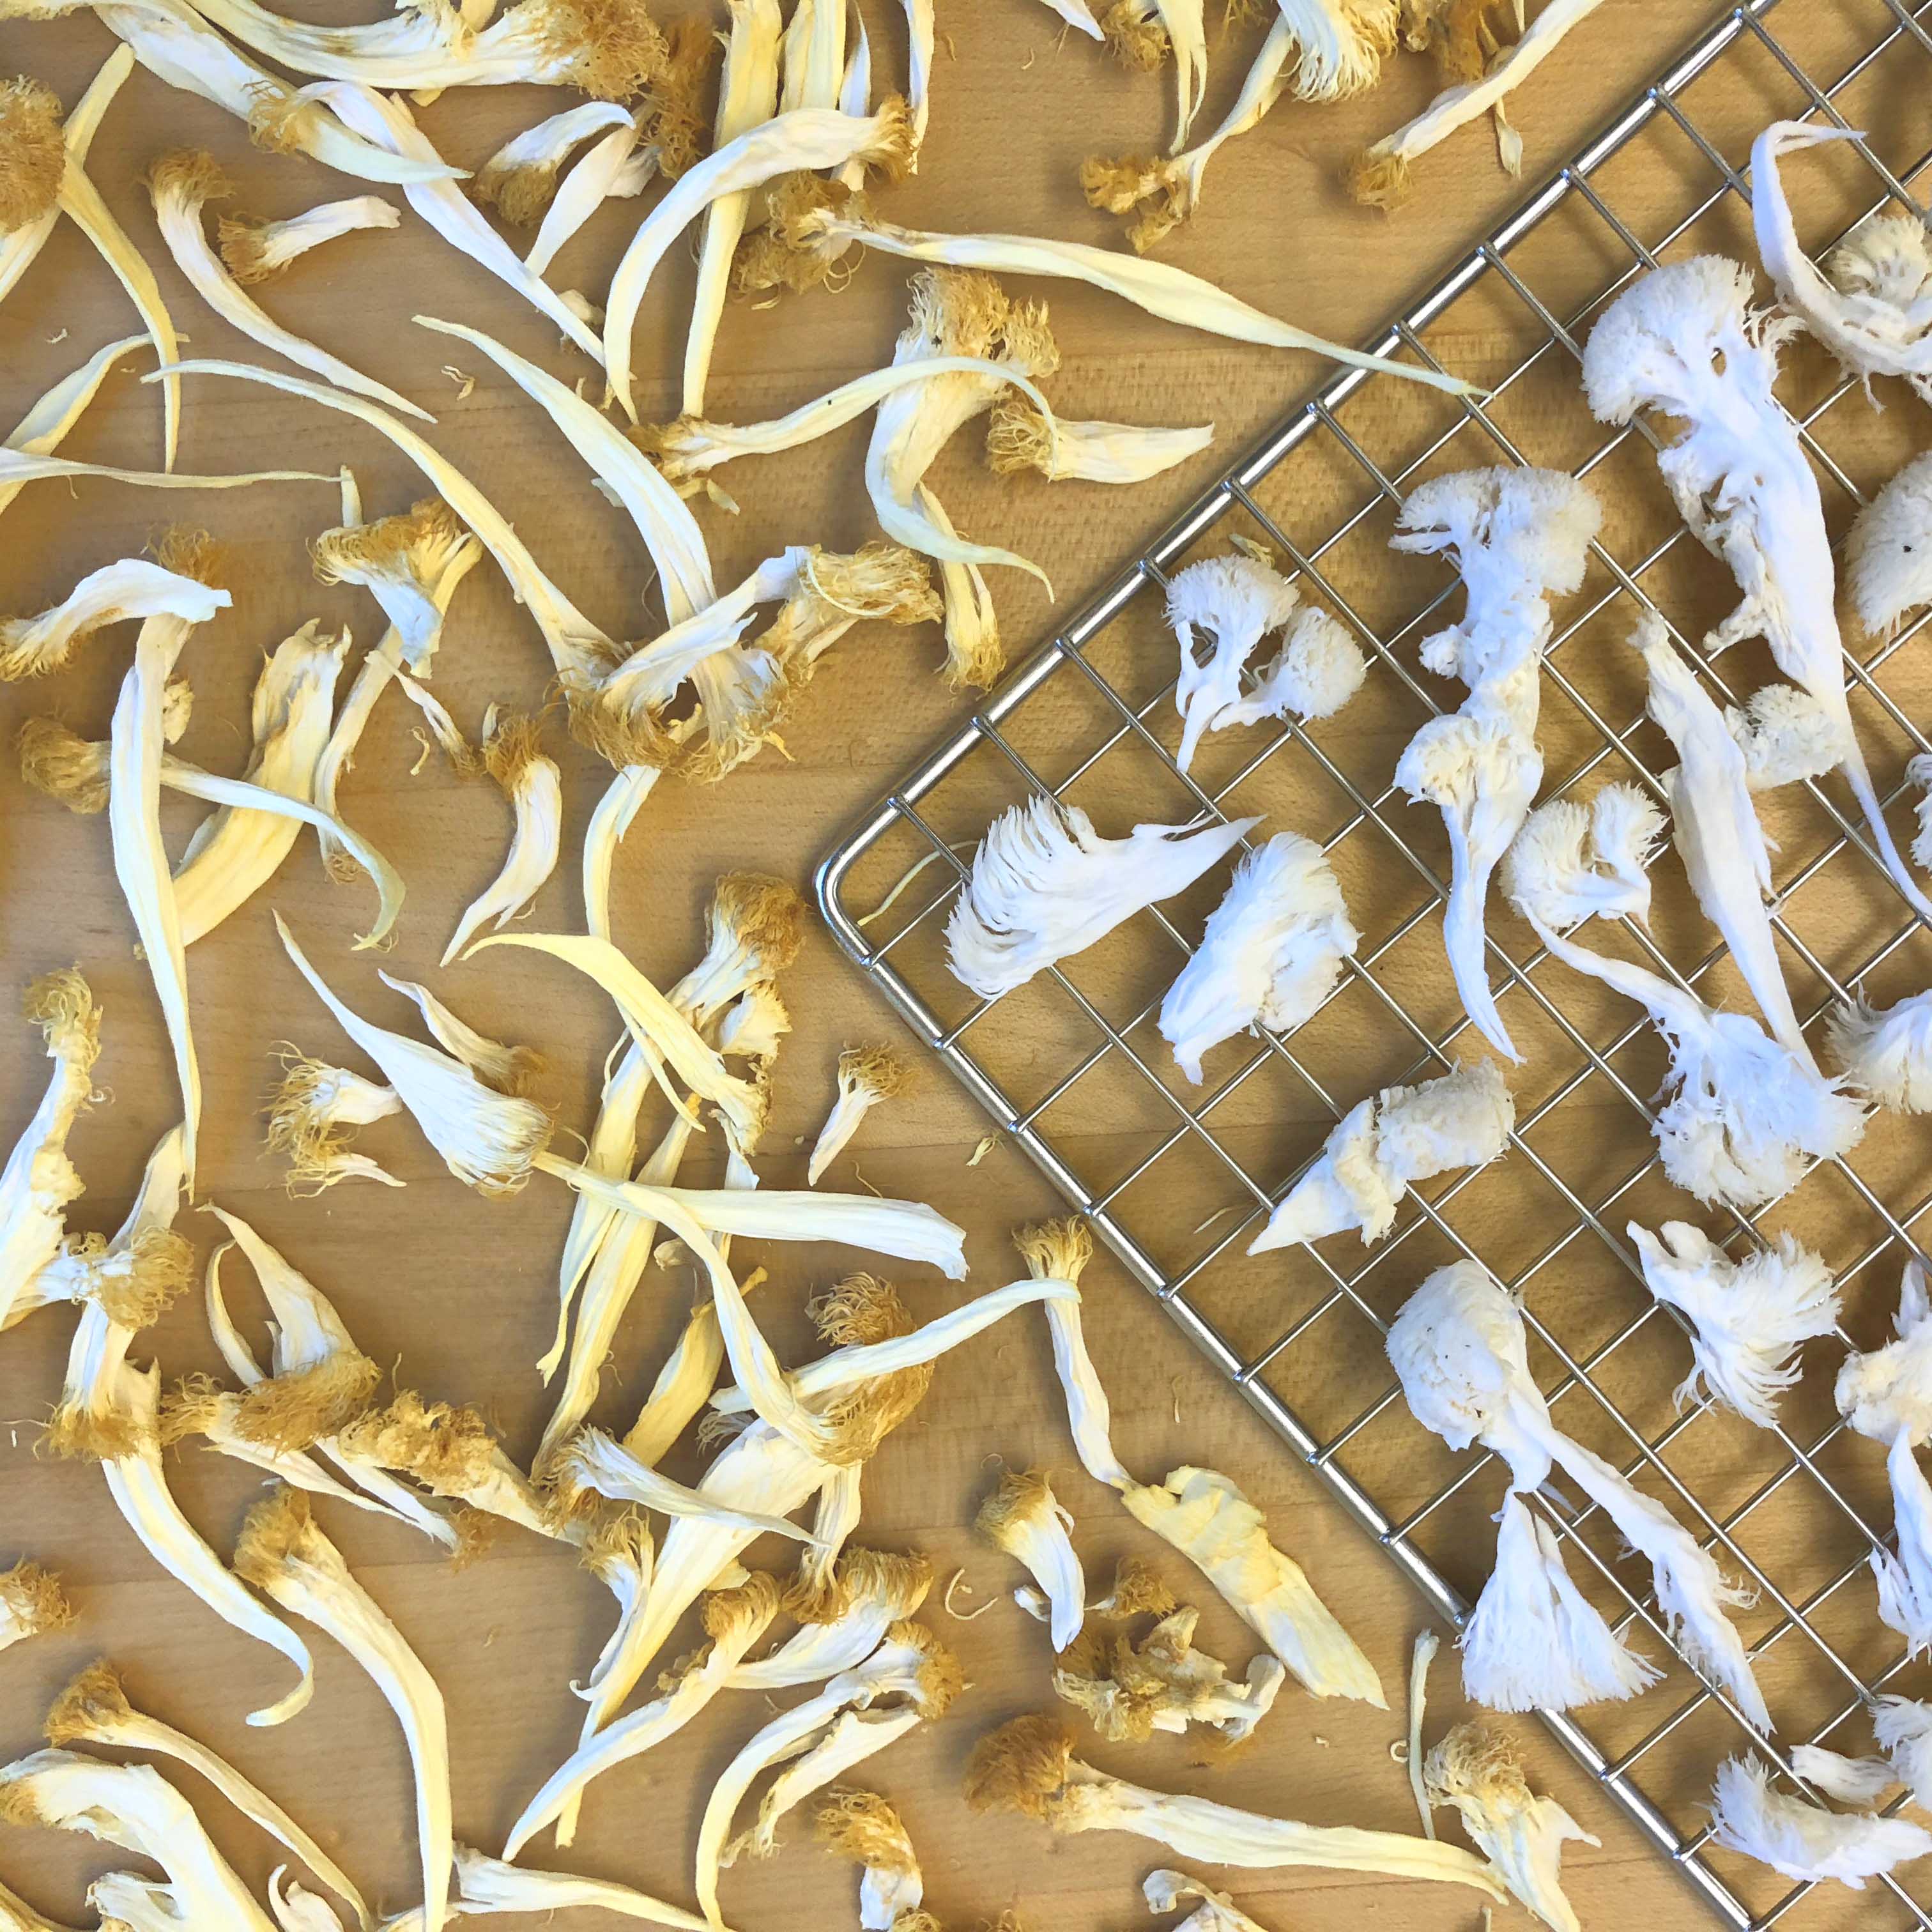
x: 254, y: 251
x: 1272, y: 951
x: 1023, y: 1517
x: 1518, y: 538
x: 513, y: 757
x: 1224, y: 607
x: 1027, y: 1765
x: 402, y: 561
x: 1460, y: 1347
x: 32, y: 1601
x: 1021, y: 438
x: 1714, y: 827
x: 1886, y: 1053
x: 1045, y: 885
x: 489, y: 1141
x: 1201, y: 1513
x: 114, y: 594
x: 1748, y: 1319
x: 285, y: 1555
x: 1802, y: 1840
x: 39, y: 1180
x: 1686, y: 341
x: 1522, y: 1835
x: 867, y: 1075
x: 1165, y: 1891
x: 1786, y: 735
x: 1867, y: 305
x: 1889, y: 553
x: 1382, y: 1147
x: 1129, y: 1690
x: 181, y: 185
x: 94, y: 1709
x: 1886, y: 1394
x: 865, y: 1828
x: 1572, y: 861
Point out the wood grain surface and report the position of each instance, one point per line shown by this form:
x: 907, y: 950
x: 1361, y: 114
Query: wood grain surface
x: 457, y: 1293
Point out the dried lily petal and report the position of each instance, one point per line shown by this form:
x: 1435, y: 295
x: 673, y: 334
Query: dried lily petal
x: 181, y: 185
x: 284, y: 1554
x: 489, y: 1141
x: 510, y: 1069
x: 44, y: 427
x: 1023, y: 1517
x: 535, y: 788
x: 253, y: 251
x: 520, y: 178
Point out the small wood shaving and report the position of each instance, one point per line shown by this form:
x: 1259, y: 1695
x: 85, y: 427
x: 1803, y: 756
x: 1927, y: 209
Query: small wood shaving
x: 52, y: 339
x: 985, y: 1147
x: 465, y: 382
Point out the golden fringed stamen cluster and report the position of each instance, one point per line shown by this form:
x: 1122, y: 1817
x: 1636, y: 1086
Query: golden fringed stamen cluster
x: 882, y: 1073
x: 305, y: 1122
x: 941, y: 1675
x: 62, y: 764
x: 1120, y: 183
x: 189, y: 552
x: 292, y: 1411
x: 519, y: 191
x: 1022, y: 1498
x: 901, y: 1581
x: 32, y: 1599
x: 61, y: 1003
x: 1018, y: 438
x: 864, y: 1827
x: 749, y: 1606
x: 238, y: 241
x: 278, y: 1530
x: 612, y: 50
x: 1379, y: 181
x: 33, y: 152
x: 1021, y: 1767
x: 279, y: 121
x: 678, y: 121
x: 449, y: 1449
x: 515, y: 742
x: 77, y: 1431
x: 784, y: 254
x: 1139, y: 1590
x: 1056, y: 1250
x: 766, y: 916
x: 93, y: 1703
x: 429, y: 526
x: 1135, y: 32
x: 137, y: 1283
x: 191, y: 176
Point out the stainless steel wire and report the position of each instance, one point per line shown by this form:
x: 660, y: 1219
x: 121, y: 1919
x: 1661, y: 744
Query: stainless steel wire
x: 1622, y: 1772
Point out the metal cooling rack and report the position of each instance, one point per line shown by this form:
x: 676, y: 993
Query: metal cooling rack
x: 1796, y: 1641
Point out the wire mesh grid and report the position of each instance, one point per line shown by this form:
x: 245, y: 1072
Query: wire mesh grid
x: 1070, y: 1067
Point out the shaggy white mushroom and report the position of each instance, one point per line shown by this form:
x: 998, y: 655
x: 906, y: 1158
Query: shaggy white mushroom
x: 1685, y: 341
x: 1889, y: 555
x: 1886, y: 1395
x: 1382, y: 1147
x: 1886, y: 1052
x: 1045, y: 885
x: 1272, y: 951
x: 1743, y: 1111
x: 1871, y: 305
x: 1748, y: 1318
x: 1220, y: 610
x: 1573, y: 862
x: 1802, y: 1840
x: 1518, y: 538
x: 1714, y: 827
x: 1460, y: 1349
x: 1024, y: 1518
x: 1786, y: 735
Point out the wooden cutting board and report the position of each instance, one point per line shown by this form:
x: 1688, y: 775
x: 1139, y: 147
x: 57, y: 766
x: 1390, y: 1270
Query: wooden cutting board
x: 458, y: 1293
